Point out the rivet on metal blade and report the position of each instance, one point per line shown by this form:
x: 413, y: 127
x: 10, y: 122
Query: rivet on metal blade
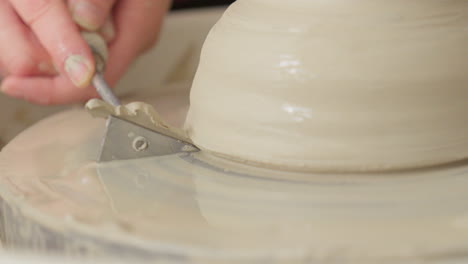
x: 140, y: 144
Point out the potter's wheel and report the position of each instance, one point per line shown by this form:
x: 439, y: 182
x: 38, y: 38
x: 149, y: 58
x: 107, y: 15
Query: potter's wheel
x: 205, y: 209
x: 201, y: 208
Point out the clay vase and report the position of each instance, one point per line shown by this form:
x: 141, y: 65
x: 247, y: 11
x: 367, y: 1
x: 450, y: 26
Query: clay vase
x: 335, y: 85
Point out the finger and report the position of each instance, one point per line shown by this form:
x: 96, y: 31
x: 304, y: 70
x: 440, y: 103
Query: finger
x: 137, y: 24
x: 91, y: 14
x: 107, y: 31
x: 45, y: 90
x: 20, y: 52
x: 52, y: 24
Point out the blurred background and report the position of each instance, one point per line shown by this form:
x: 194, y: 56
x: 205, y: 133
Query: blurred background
x: 183, y: 4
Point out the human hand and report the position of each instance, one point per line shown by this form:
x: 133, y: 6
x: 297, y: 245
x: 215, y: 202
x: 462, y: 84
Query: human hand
x: 43, y: 57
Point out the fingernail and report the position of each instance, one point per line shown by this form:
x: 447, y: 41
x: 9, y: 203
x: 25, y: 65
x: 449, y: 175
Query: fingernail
x: 86, y: 15
x: 79, y: 70
x: 107, y: 30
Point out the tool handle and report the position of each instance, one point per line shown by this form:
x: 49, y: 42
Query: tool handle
x: 98, y: 48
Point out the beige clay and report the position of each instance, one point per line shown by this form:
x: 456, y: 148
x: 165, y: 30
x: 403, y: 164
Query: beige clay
x: 137, y: 112
x: 335, y: 85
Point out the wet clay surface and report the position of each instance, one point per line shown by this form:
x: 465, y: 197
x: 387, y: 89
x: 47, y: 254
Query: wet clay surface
x: 209, y: 208
x: 367, y: 85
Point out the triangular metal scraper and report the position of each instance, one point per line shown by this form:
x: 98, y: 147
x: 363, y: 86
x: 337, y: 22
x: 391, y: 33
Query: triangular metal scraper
x: 125, y: 140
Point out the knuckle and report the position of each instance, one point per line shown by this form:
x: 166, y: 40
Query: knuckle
x: 36, y: 12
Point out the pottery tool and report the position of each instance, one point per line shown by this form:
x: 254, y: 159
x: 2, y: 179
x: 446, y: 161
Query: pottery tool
x: 123, y: 139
